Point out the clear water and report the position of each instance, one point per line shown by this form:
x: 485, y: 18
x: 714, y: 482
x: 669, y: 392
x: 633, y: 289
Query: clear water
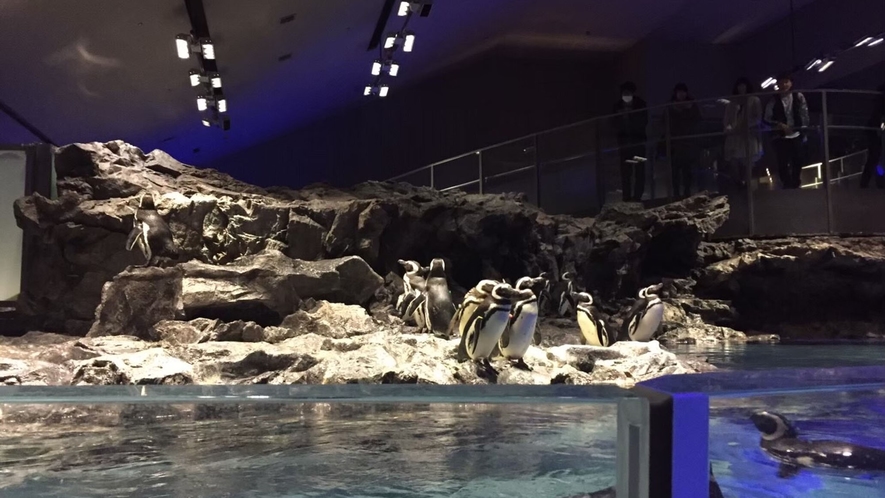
x: 311, y: 450
x: 767, y: 356
x: 744, y: 470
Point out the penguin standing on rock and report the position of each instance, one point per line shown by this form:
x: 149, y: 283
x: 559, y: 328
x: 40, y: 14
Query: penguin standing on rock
x: 593, y: 329
x: 486, y: 324
x: 437, y: 306
x: 413, y: 286
x: 566, y: 298
x: 474, y: 297
x: 150, y: 233
x: 644, y: 319
x: 520, y: 331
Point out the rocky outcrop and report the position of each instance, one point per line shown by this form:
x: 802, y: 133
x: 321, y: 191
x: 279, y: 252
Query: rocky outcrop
x: 262, y: 288
x: 816, y: 287
x: 216, y: 220
x: 327, y: 344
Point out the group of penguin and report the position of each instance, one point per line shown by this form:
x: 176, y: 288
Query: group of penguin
x: 498, y: 319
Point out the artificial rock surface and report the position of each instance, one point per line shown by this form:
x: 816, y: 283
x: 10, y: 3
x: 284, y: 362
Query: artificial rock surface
x: 328, y: 344
x: 284, y: 286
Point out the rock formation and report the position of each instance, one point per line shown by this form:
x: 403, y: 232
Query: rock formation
x: 282, y: 286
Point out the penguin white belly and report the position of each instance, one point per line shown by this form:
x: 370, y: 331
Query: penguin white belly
x: 649, y: 323
x: 490, y: 333
x: 588, y: 329
x: 519, y: 336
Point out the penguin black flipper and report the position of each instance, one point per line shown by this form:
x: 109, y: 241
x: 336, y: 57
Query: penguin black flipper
x: 633, y: 318
x: 787, y: 471
x: 133, y: 237
x: 456, y: 319
x: 471, y: 333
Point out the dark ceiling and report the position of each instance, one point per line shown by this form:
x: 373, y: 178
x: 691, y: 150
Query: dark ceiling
x: 89, y: 70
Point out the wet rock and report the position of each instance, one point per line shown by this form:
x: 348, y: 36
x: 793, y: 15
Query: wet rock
x: 692, y: 330
x: 220, y: 362
x: 150, y: 366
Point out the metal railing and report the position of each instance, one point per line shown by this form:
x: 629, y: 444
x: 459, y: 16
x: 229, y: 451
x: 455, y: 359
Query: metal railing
x: 575, y: 168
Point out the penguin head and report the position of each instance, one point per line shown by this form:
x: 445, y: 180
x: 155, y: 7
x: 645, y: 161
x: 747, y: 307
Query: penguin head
x: 524, y: 283
x: 503, y: 292
x: 409, y: 265
x: 583, y: 298
x: 773, y: 425
x: 146, y: 201
x: 486, y: 286
x: 438, y: 268
x: 567, y: 277
x: 652, y: 290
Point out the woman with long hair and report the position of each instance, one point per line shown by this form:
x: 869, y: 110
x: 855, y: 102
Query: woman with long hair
x: 743, y: 148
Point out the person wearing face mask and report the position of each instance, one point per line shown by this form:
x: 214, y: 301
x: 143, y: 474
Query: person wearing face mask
x: 683, y: 117
x: 787, y: 114
x: 630, y: 122
x: 742, y: 117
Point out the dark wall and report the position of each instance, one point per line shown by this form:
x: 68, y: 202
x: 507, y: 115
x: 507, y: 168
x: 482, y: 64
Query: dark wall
x: 494, y: 98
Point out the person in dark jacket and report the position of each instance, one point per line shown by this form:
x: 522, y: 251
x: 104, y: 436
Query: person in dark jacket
x: 630, y: 123
x: 683, y: 117
x: 875, y: 163
x: 787, y: 114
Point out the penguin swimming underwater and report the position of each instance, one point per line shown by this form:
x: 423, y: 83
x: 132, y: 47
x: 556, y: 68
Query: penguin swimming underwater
x: 593, y: 329
x: 520, y: 331
x: 780, y: 440
x: 437, y: 306
x: 483, y: 329
x: 150, y: 233
x: 645, y: 317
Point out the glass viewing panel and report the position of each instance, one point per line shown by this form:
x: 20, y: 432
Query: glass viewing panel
x: 457, y: 173
x: 13, y: 170
x: 837, y: 451
x: 511, y: 168
x: 347, y: 440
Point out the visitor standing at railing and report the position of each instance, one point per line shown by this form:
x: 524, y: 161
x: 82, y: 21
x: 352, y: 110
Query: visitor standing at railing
x: 683, y: 117
x: 742, y: 118
x: 875, y: 162
x: 787, y: 114
x: 631, y: 121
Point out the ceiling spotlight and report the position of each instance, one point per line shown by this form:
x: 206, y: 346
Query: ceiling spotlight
x: 206, y: 123
x: 390, y: 41
x: 376, y: 68
x: 382, y: 92
x: 826, y: 65
x: 404, y: 9
x: 222, y: 105
x: 183, y: 46
x: 410, y: 42
x: 208, y: 48
x: 393, y: 68
x: 216, y: 80
x: 767, y: 83
x: 195, y: 77
x: 201, y: 103
x: 863, y: 41
x: 813, y: 64
x: 877, y: 41
x: 368, y: 90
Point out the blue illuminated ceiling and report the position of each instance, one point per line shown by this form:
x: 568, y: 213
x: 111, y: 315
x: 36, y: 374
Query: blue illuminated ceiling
x: 89, y: 70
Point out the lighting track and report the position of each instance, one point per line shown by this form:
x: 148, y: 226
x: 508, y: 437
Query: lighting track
x: 211, y: 101
x: 385, y: 65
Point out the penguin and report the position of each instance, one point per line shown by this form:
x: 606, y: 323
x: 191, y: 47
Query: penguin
x: 150, y: 233
x: 520, y: 331
x: 566, y: 301
x: 593, y: 329
x: 437, y: 306
x: 483, y: 329
x: 414, y: 278
x: 474, y: 297
x: 644, y: 319
x: 780, y: 440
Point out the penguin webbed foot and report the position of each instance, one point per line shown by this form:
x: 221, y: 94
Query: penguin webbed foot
x: 787, y: 471
x: 485, y: 370
x: 521, y: 364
